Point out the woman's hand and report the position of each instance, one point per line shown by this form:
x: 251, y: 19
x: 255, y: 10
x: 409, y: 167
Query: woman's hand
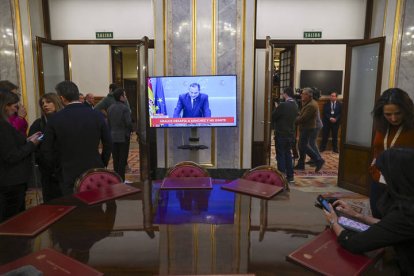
x: 343, y: 207
x: 331, y: 216
x: 34, y: 138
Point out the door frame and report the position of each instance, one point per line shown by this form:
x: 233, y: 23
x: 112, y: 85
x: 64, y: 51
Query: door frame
x: 40, y: 68
x: 264, y: 154
x: 363, y: 180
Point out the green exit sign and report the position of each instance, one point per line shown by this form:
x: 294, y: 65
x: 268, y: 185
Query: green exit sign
x: 312, y: 34
x: 104, y: 35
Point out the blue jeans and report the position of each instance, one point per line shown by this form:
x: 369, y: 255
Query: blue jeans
x: 284, y: 155
x: 304, y: 140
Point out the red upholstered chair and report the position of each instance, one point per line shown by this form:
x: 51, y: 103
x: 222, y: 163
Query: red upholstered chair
x: 187, y: 169
x: 96, y: 178
x: 268, y: 175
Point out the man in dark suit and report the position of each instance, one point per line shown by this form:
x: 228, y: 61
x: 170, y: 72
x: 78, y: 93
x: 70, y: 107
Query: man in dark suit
x: 72, y: 138
x: 89, y: 100
x: 331, y: 121
x: 193, y: 103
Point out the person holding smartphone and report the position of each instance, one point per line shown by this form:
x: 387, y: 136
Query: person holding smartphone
x: 15, y: 152
x: 396, y: 228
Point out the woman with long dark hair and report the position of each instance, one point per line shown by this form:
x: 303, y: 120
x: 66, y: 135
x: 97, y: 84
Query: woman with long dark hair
x: 15, y: 165
x: 394, y: 127
x: 396, y: 228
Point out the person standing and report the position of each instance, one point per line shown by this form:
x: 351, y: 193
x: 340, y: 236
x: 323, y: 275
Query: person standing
x: 89, y: 100
x: 17, y: 120
x: 72, y: 137
x: 15, y: 165
x: 307, y: 125
x: 394, y: 127
x: 50, y: 103
x: 331, y: 122
x: 283, y: 122
x: 120, y: 124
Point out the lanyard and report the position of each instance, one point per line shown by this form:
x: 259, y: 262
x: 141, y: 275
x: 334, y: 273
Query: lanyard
x: 393, y: 140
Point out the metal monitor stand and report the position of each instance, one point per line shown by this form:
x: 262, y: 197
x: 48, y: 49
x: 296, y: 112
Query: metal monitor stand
x: 193, y: 145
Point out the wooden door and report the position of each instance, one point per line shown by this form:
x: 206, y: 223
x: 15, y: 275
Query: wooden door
x: 363, y: 71
x: 52, y: 64
x: 268, y: 103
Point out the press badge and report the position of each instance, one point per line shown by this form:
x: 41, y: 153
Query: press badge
x: 382, y: 180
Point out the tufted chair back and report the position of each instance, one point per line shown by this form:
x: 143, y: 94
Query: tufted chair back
x: 187, y: 169
x: 96, y: 178
x: 268, y: 175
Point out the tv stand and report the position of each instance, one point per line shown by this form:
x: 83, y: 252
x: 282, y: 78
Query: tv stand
x: 193, y: 145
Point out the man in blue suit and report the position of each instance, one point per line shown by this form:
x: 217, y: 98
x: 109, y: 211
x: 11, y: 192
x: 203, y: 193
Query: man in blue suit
x: 193, y: 104
x: 72, y: 138
x: 331, y: 122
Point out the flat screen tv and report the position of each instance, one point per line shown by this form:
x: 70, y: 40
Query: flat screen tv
x: 327, y: 81
x: 192, y: 101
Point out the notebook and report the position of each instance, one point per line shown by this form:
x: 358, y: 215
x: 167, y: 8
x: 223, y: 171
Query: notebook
x: 51, y: 262
x: 34, y: 220
x: 253, y: 188
x: 187, y: 183
x: 325, y: 256
x: 109, y: 192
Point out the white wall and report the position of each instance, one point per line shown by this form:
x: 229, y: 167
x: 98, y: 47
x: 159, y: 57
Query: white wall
x: 319, y: 57
x: 80, y: 19
x: 288, y: 19
x: 91, y: 68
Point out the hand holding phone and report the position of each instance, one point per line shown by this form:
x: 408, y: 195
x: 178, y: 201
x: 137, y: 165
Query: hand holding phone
x: 324, y: 203
x: 40, y: 138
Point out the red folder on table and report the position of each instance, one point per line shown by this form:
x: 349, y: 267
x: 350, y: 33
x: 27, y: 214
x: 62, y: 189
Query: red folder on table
x: 106, y: 193
x: 326, y: 256
x: 51, y: 262
x: 253, y: 188
x: 187, y: 183
x: 34, y: 220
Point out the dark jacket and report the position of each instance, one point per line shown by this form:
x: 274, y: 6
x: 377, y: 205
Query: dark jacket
x: 72, y: 138
x: 15, y: 151
x: 201, y: 106
x: 327, y: 112
x: 283, y: 119
x: 120, y: 123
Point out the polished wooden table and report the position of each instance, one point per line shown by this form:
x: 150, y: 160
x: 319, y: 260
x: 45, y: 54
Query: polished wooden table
x: 159, y: 232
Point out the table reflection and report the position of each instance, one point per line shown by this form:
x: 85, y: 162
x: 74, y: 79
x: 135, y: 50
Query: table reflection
x: 182, y: 232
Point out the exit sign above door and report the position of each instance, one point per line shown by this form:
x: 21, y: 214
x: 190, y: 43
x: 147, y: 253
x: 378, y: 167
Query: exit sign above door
x: 312, y: 34
x: 104, y: 35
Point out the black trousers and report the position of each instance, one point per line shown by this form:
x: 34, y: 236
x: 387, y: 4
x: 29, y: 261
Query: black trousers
x: 12, y: 200
x: 329, y: 127
x: 120, y: 153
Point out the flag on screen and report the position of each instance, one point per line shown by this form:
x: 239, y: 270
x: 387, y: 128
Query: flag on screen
x: 159, y: 97
x: 151, y: 100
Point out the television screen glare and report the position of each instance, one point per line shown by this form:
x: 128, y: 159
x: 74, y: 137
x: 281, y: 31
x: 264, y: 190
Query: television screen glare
x: 192, y: 101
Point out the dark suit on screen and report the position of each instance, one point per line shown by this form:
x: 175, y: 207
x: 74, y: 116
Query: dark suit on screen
x: 200, y: 109
x: 72, y: 139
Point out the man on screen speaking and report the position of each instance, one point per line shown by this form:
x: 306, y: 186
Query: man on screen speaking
x: 193, y: 103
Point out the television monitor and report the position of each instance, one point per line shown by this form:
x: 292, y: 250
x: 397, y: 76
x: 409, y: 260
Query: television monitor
x: 327, y: 81
x: 192, y: 101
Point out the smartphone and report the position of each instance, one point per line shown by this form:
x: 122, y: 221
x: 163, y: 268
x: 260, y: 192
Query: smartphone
x: 324, y: 203
x: 40, y: 138
x: 351, y: 224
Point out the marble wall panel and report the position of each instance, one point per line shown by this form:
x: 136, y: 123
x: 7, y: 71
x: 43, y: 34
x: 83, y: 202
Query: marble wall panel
x: 8, y: 44
x: 406, y: 63
x: 179, y: 54
x: 229, y: 62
